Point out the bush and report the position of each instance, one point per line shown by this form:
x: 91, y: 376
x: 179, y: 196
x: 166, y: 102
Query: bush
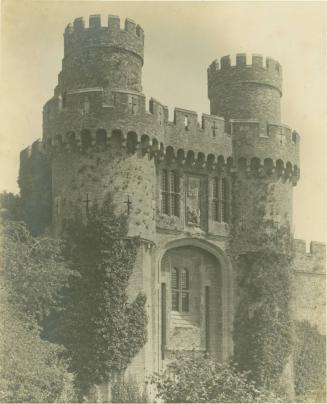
x: 31, y: 369
x: 128, y: 391
x: 192, y: 379
x: 34, y: 271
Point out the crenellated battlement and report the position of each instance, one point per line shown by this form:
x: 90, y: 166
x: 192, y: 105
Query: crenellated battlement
x: 78, y: 36
x: 89, y: 109
x: 260, y: 71
x: 257, y: 62
x: 313, y: 261
x: 37, y: 147
x: 316, y: 248
x: 273, y: 141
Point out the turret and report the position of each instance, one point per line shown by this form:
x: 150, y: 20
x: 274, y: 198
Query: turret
x: 245, y: 91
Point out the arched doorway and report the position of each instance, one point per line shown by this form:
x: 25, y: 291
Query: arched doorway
x: 195, y: 301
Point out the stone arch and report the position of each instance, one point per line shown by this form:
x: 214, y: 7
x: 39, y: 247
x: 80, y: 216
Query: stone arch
x: 268, y: 165
x: 201, y: 159
x: 211, y: 159
x: 145, y: 142
x: 155, y: 145
x: 190, y: 157
x: 223, y: 265
x: 170, y: 154
x: 280, y: 167
x: 220, y: 161
x: 296, y: 170
x: 288, y: 168
x: 255, y: 164
x: 229, y: 162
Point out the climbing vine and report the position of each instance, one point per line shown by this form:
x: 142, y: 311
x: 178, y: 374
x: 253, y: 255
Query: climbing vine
x: 309, y: 363
x: 263, y: 327
x: 101, y: 328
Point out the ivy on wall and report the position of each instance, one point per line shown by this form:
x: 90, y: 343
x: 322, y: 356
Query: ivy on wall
x: 309, y: 363
x: 262, y: 323
x: 101, y: 328
x: 35, y: 190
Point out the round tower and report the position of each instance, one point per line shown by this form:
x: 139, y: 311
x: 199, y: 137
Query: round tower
x: 265, y: 152
x: 100, y: 140
x: 245, y: 91
x: 96, y: 128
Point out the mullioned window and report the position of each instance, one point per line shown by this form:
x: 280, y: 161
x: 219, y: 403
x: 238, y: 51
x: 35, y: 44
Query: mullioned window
x: 170, y: 193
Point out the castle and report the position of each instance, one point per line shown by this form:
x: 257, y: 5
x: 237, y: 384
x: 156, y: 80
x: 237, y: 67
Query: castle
x: 172, y: 178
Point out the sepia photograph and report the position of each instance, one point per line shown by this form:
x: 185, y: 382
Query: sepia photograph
x: 163, y: 200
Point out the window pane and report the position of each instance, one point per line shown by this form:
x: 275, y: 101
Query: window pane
x: 174, y: 278
x: 184, y: 279
x: 164, y: 180
x: 172, y: 181
x: 164, y: 203
x: 225, y: 200
x: 185, y: 301
x: 215, y: 188
x: 176, y: 202
x: 224, y: 213
x: 172, y: 205
x: 176, y: 182
x: 215, y: 210
x: 175, y: 300
x: 223, y: 189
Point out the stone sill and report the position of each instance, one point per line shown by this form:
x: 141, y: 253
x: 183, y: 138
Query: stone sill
x: 172, y: 350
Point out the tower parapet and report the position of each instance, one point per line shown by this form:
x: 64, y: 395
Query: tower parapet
x: 245, y: 91
x: 102, y: 56
x: 130, y: 38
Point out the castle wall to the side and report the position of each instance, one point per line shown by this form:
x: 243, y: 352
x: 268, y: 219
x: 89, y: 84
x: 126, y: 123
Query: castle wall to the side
x: 309, y: 284
x: 34, y: 180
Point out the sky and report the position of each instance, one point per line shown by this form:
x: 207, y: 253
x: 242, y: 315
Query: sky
x: 181, y: 40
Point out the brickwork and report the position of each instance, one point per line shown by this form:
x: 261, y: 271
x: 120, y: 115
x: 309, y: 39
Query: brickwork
x: 108, y: 57
x: 245, y: 91
x: 77, y: 176
x: 99, y: 137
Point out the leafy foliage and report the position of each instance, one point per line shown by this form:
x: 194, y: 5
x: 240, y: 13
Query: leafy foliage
x: 32, y: 277
x: 101, y: 329
x: 10, y: 206
x: 310, y: 363
x: 262, y: 324
x: 34, y: 271
x: 262, y: 327
x: 198, y: 379
x: 31, y: 370
x: 128, y: 391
